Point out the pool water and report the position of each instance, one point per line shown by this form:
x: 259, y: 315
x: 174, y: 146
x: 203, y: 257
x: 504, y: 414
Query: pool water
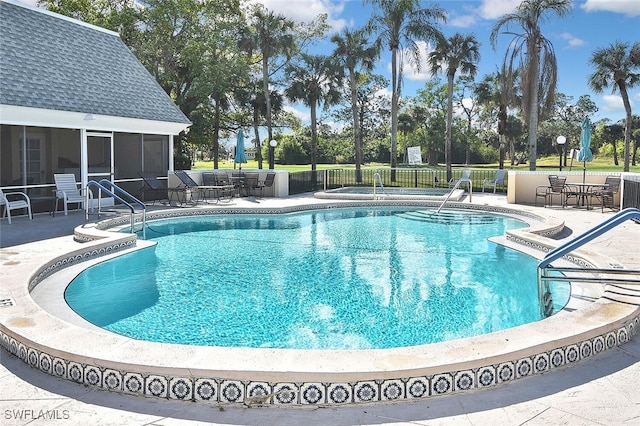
x: 329, y: 279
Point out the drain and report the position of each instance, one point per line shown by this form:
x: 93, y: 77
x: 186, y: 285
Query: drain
x: 7, y: 302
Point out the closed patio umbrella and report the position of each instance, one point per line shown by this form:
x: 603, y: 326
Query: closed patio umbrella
x: 240, y: 155
x: 585, y: 146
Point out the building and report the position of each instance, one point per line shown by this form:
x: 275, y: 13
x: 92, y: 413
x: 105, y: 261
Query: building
x: 74, y: 99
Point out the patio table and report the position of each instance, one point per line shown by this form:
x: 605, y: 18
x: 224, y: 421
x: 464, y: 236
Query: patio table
x: 585, y: 192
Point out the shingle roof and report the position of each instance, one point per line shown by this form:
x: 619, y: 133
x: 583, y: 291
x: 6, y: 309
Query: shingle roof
x: 49, y: 62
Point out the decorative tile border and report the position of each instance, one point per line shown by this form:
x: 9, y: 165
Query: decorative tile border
x: 258, y: 393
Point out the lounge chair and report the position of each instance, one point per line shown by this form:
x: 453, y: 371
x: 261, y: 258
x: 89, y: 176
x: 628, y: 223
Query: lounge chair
x: 267, y: 182
x: 557, y: 187
x: 201, y: 191
x: 68, y: 191
x: 14, y: 201
x: 498, y: 179
x: 465, y: 179
x: 154, y: 186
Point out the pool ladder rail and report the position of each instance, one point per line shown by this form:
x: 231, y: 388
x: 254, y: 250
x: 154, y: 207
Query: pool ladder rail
x: 118, y: 194
x: 615, y: 276
x: 377, y: 175
x: 456, y: 186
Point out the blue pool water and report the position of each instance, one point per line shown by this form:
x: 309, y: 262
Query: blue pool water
x: 329, y: 279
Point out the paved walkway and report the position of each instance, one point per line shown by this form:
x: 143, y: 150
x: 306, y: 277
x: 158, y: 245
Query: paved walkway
x: 599, y: 391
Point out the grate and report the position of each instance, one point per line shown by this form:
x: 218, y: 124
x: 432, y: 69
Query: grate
x: 5, y: 302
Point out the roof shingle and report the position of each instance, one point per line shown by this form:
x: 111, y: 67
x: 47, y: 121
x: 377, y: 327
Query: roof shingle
x: 59, y: 64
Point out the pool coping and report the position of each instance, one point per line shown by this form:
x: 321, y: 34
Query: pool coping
x: 289, y: 377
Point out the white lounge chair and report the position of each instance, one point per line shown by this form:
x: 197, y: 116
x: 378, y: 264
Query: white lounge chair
x: 67, y: 190
x: 498, y: 179
x: 20, y: 201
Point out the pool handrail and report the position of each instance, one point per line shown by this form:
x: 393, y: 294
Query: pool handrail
x: 374, y: 184
x: 453, y: 189
x: 101, y: 187
x: 544, y: 266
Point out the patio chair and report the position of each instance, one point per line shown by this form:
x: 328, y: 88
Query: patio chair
x: 154, y: 186
x: 498, y: 179
x: 68, y: 191
x: 607, y: 194
x: 218, y: 183
x: 250, y: 182
x: 14, y: 201
x: 556, y: 187
x: 267, y: 182
x: 465, y: 179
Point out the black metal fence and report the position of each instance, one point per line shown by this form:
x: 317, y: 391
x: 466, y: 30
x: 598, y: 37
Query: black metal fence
x: 320, y: 180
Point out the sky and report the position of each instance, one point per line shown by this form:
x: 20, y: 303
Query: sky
x: 592, y: 24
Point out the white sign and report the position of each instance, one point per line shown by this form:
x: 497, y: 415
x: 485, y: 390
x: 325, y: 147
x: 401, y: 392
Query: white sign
x: 414, y: 154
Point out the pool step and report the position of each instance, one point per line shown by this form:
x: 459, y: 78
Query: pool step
x: 446, y: 218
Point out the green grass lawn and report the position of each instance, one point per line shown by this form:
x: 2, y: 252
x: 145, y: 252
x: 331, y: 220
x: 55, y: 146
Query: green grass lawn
x: 604, y: 164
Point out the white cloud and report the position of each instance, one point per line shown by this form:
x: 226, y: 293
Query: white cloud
x: 492, y: 9
x: 307, y: 10
x: 409, y: 68
x: 630, y: 8
x: 302, y: 115
x: 572, y: 40
x: 462, y: 21
x: 613, y: 103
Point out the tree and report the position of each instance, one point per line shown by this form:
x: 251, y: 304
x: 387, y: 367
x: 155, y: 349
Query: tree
x: 271, y: 35
x: 355, y: 56
x: 618, y: 67
x: 458, y: 52
x: 533, y: 54
x: 471, y: 109
x: 401, y: 24
x: 313, y: 80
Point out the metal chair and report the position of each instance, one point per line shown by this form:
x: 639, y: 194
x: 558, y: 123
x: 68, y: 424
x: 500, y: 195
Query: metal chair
x: 607, y: 195
x: 267, y: 182
x: 556, y: 187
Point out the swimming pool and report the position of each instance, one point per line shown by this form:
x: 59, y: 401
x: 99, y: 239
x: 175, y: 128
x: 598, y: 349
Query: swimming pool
x: 335, y: 279
x: 390, y: 193
x: 61, y: 344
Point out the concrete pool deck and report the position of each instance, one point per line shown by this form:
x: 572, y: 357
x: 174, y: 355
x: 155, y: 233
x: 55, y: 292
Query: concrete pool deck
x: 570, y: 395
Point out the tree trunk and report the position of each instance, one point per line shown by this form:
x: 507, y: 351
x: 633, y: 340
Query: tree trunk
x: 256, y: 134
x: 216, y: 135
x: 627, y: 127
x: 533, y: 70
x: 267, y: 95
x: 447, y: 138
x: 357, y: 134
x: 395, y: 98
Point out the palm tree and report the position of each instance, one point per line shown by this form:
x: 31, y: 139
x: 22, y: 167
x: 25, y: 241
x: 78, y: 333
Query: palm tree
x: 272, y: 35
x: 353, y: 54
x: 618, y: 67
x: 401, y: 23
x: 252, y: 98
x: 533, y: 54
x: 494, y: 93
x: 313, y: 81
x: 458, y: 52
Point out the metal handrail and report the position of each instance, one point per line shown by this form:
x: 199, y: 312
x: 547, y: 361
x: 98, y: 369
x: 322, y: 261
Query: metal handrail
x: 374, y: 184
x: 451, y: 193
x: 544, y: 267
x: 101, y: 188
